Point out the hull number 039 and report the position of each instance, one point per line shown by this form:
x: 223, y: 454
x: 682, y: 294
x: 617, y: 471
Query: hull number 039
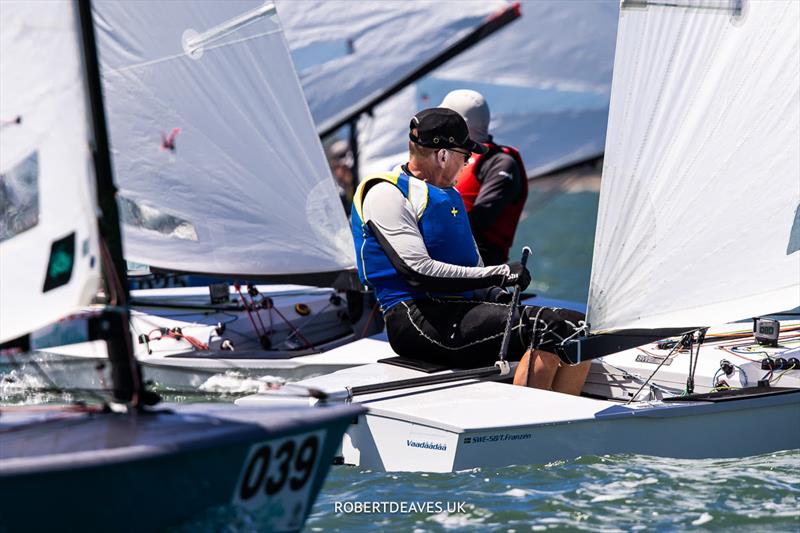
x: 282, y: 469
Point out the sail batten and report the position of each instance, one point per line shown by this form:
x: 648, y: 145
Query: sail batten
x: 701, y: 181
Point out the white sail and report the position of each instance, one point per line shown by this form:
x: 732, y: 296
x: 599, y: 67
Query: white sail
x: 547, y: 78
x: 349, y: 51
x: 382, y: 137
x: 698, y: 221
x: 218, y: 163
x: 49, y: 260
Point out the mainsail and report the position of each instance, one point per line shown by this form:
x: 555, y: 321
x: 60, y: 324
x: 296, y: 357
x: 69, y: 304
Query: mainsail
x: 555, y: 63
x: 49, y: 251
x: 698, y: 221
x: 218, y: 163
x: 347, y: 51
x: 547, y: 75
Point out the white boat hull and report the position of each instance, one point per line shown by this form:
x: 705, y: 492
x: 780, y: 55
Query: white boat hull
x: 388, y: 441
x: 457, y: 426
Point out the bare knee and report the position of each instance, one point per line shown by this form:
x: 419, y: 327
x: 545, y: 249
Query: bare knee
x: 537, y: 370
x: 571, y: 378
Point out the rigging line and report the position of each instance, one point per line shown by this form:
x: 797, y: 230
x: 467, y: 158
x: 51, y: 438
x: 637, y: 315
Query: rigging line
x: 289, y: 323
x: 247, y: 308
x: 309, y: 321
x: 723, y: 348
x: 120, y: 300
x: 637, y: 378
x: 369, y: 319
x: 106, y: 260
x: 196, y: 343
x: 182, y: 54
x: 258, y: 314
x: 701, y: 334
x: 674, y: 349
x: 689, y: 379
x: 779, y: 376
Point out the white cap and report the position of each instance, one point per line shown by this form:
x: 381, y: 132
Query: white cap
x: 472, y: 106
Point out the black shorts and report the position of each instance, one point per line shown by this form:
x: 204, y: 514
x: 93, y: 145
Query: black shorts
x: 468, y: 334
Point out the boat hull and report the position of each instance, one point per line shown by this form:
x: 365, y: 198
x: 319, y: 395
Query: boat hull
x: 148, y: 471
x: 462, y: 425
x: 694, y: 431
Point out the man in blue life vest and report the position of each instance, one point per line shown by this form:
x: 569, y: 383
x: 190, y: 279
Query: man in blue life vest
x: 493, y: 185
x: 414, y: 247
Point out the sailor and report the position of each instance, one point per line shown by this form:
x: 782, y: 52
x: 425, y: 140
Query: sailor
x: 414, y: 246
x: 493, y: 185
x: 340, y: 160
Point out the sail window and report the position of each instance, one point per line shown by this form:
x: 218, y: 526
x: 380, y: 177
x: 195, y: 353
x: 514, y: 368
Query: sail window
x: 150, y: 218
x: 62, y: 259
x: 19, y: 197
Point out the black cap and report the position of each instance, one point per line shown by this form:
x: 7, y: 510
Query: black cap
x: 439, y: 127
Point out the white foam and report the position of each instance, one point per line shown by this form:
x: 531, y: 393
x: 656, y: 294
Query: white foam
x: 516, y: 493
x: 234, y: 383
x: 455, y: 521
x: 15, y: 384
x: 703, y: 519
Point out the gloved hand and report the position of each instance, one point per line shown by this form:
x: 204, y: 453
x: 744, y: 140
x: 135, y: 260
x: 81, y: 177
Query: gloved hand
x: 518, y: 276
x: 498, y: 295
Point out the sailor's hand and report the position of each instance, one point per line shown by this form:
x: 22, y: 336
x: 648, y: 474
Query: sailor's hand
x: 498, y: 295
x: 518, y: 275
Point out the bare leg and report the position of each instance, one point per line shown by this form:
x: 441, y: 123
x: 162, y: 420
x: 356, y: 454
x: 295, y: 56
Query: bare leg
x: 570, y: 378
x: 545, y: 365
x: 523, y: 369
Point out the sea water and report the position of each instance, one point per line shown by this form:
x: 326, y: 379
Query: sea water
x: 608, y: 493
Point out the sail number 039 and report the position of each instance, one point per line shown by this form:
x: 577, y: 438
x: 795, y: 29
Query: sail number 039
x: 293, y: 466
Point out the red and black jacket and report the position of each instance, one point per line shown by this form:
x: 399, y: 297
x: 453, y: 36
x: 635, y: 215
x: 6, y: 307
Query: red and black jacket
x: 500, y: 232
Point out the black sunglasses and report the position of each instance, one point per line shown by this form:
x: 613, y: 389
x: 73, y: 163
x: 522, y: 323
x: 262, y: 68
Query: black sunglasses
x: 466, y: 155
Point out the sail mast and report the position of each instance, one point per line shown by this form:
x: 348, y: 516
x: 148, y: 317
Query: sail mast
x: 114, y: 324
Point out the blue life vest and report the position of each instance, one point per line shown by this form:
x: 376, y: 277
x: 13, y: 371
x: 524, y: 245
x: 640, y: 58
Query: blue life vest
x: 443, y: 223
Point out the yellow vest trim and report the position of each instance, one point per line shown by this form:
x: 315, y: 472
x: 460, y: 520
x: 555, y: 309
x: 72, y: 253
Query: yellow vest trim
x: 358, y: 197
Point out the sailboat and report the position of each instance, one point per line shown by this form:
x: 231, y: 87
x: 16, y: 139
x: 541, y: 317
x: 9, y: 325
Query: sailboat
x: 222, y: 173
x: 60, y: 237
x: 704, y: 119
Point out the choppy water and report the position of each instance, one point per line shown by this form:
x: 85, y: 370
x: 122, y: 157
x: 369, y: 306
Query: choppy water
x: 611, y: 493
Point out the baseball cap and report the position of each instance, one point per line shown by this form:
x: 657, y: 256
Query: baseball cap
x: 472, y: 106
x: 438, y: 127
